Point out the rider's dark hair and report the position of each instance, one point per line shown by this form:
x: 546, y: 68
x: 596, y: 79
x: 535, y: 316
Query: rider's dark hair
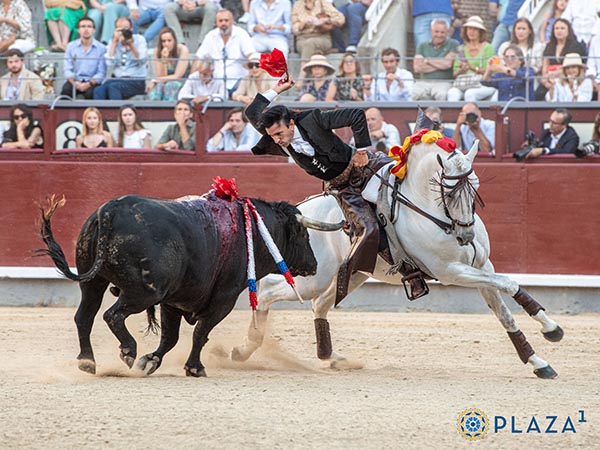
x: 276, y: 114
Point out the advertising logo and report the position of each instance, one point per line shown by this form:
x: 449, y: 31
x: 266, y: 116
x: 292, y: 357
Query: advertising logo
x: 473, y: 424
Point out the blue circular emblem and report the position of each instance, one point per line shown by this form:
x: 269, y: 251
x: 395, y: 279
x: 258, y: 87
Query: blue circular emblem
x: 473, y: 424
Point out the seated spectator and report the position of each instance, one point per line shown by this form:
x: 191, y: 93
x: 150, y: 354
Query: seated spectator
x: 24, y: 132
x: 392, y: 85
x: 318, y: 72
x: 433, y: 64
x: 423, y: 12
x: 127, y: 55
x: 256, y: 81
x: 312, y: 22
x: 559, y: 137
x: 20, y: 83
x: 142, y: 12
x: 187, y: 11
x: 93, y: 134
x: 456, y: 22
x: 506, y: 21
x: 523, y: 37
x: 573, y: 86
x: 200, y: 85
x: 558, y: 7
x: 171, y: 67
x: 182, y: 134
x: 84, y: 64
x: 562, y: 41
x: 471, y: 126
x: 105, y: 13
x: 354, y: 14
x: 593, y: 63
x: 62, y: 17
x: 511, y: 78
x: 229, y: 47
x: 348, y: 84
x: 471, y: 63
x: 435, y: 115
x: 16, y: 31
x: 236, y: 134
x: 583, y: 16
x: 383, y: 135
x: 270, y: 25
x: 132, y: 133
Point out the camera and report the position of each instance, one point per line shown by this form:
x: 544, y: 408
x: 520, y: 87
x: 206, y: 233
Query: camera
x: 587, y: 149
x: 532, y: 143
x: 126, y: 33
x: 471, y: 117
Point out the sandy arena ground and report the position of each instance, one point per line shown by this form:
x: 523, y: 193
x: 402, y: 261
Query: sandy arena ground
x: 410, y: 376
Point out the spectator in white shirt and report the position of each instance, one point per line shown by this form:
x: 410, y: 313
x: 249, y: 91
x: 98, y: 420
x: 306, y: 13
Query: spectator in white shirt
x: 383, y: 135
x: 392, y: 85
x: 228, y: 46
x: 471, y: 126
x: 235, y: 135
x: 270, y: 25
x: 583, y: 17
x: 200, y: 86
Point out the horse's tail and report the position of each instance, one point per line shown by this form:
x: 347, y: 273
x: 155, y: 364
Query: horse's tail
x: 153, y: 325
x: 54, y: 249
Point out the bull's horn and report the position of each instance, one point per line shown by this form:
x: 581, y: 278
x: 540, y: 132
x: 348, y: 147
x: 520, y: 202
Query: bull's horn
x: 318, y: 225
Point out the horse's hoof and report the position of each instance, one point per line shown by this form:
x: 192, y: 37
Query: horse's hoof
x: 149, y: 363
x: 194, y: 372
x: 547, y: 373
x: 555, y: 335
x: 127, y: 358
x: 237, y: 355
x: 87, y: 365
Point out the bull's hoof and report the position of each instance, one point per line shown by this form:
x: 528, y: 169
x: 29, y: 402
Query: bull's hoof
x: 547, y: 373
x: 194, y: 372
x: 149, y: 363
x: 238, y: 355
x: 555, y: 335
x: 87, y: 365
x: 127, y: 358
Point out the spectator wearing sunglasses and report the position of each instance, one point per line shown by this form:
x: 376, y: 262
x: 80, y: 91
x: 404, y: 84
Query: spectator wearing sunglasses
x: 24, y: 132
x: 256, y: 81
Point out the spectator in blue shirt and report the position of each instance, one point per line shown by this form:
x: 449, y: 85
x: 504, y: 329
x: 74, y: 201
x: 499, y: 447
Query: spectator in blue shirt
x: 235, y: 135
x: 127, y: 55
x: 423, y: 12
x: 511, y: 78
x: 270, y: 25
x: 84, y: 64
x: 503, y: 30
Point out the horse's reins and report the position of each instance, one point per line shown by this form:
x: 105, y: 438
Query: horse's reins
x: 445, y: 226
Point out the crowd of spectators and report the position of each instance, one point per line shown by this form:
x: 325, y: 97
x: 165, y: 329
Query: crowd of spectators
x: 108, y: 55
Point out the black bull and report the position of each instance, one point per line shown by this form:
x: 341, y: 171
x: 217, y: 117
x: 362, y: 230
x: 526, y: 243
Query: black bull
x: 188, y: 255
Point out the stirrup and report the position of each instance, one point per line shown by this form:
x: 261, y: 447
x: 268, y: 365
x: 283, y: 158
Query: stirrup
x: 418, y: 286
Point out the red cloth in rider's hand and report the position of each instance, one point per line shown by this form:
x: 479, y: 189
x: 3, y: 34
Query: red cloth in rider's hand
x: 275, y: 64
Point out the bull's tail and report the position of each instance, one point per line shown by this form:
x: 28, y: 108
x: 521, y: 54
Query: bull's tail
x: 153, y: 325
x: 55, y: 251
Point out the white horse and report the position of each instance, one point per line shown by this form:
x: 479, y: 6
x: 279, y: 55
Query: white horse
x: 451, y: 245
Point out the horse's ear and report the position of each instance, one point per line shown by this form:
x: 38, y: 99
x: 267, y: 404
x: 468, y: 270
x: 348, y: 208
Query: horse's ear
x: 440, y: 162
x: 473, y: 151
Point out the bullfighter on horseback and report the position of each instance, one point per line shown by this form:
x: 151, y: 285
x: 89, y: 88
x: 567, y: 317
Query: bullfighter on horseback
x: 307, y: 138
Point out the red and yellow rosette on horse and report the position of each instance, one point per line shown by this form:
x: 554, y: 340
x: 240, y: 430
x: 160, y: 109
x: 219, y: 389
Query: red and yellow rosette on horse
x: 400, y: 154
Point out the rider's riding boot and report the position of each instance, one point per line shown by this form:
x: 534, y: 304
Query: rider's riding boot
x: 416, y: 281
x: 365, y: 244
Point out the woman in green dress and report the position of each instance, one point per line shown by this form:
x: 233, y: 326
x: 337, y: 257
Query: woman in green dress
x: 61, y: 18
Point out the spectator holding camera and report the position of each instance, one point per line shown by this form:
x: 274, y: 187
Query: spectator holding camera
x: 471, y: 126
x: 559, y: 137
x: 592, y: 146
x: 127, y: 55
x: 511, y: 78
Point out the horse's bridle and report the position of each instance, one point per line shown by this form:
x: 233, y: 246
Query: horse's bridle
x: 462, y: 182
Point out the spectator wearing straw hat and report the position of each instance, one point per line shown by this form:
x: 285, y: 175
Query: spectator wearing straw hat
x: 256, y: 81
x: 318, y: 73
x: 573, y: 86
